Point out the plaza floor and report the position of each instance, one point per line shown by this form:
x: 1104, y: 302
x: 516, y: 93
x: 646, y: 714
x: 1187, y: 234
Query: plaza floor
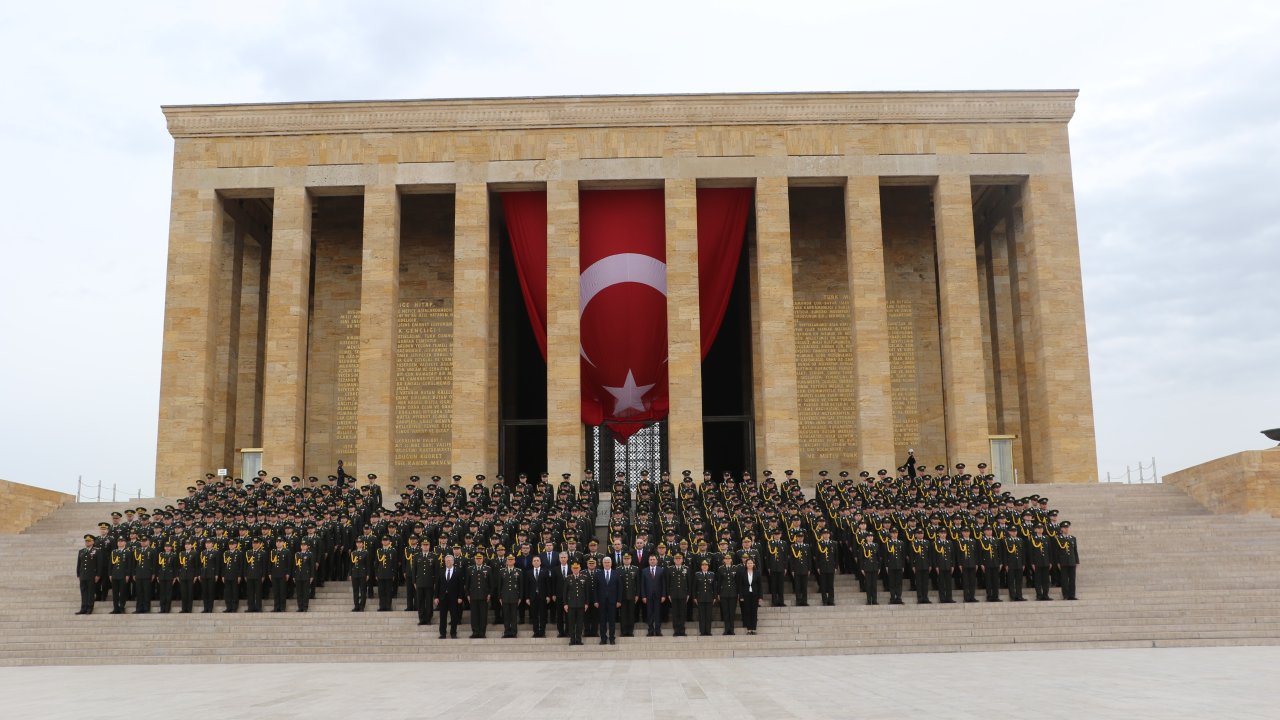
x: 1216, y: 682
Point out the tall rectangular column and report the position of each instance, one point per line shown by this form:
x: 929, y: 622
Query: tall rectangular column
x: 474, y: 436
x: 963, y: 367
x: 565, y: 435
x: 873, y: 385
x: 777, y: 367
x: 284, y: 384
x: 684, y: 328
x: 184, y: 437
x: 379, y: 306
x: 1060, y: 403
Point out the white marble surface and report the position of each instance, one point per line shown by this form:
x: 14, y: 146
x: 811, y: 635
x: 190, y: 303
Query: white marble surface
x: 1216, y: 682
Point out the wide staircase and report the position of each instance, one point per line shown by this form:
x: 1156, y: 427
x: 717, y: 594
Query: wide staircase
x: 1157, y: 570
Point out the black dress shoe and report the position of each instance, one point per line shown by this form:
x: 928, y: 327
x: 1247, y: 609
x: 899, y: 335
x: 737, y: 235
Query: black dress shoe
x: 441, y: 636
x: 80, y: 612
x: 613, y: 641
x: 924, y: 602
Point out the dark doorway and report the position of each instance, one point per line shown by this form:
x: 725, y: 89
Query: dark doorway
x: 728, y: 421
x: 522, y: 373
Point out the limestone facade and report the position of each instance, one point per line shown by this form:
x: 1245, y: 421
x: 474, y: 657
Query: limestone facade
x: 913, y: 268
x: 22, y: 505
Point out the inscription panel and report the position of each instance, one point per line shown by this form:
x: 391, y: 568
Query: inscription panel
x: 424, y: 376
x: 902, y: 369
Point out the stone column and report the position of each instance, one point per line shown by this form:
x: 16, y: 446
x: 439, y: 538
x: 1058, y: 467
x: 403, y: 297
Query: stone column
x: 184, y: 438
x: 565, y: 434
x: 684, y: 329
x: 873, y: 385
x: 474, y: 436
x: 777, y: 367
x: 284, y: 393
x: 963, y: 368
x: 379, y: 305
x: 1060, y: 403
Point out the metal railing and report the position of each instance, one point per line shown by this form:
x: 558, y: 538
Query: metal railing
x: 86, y: 492
x: 1128, y: 476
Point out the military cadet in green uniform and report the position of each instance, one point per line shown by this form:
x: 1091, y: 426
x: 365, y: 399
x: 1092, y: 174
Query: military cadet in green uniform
x: 921, y: 563
x: 799, y: 564
x: 479, y: 591
x: 511, y: 591
x: 828, y: 556
x: 423, y: 567
x: 232, y: 572
x: 281, y: 564
x: 255, y: 569
x: 121, y: 565
x: 679, y: 588
x: 1038, y: 553
x: 944, y: 560
x: 989, y: 562
x: 406, y: 571
x: 870, y: 561
x: 385, y: 562
x: 144, y: 574
x: 967, y: 555
x: 727, y: 592
x: 188, y: 570
x: 577, y: 595
x: 359, y: 575
x: 704, y: 596
x: 304, y: 570
x: 1013, y: 556
x: 87, y: 569
x: 166, y: 573
x: 210, y: 569
x: 895, y: 561
x: 1067, y: 557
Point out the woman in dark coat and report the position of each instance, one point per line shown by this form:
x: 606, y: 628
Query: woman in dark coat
x: 750, y: 587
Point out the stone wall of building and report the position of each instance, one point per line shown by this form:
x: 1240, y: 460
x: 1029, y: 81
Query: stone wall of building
x: 22, y: 505
x: 1246, y: 482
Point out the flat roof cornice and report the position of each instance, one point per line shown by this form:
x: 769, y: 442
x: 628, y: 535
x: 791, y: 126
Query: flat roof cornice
x: 528, y: 113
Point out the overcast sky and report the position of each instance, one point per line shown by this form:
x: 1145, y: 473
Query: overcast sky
x: 1175, y: 142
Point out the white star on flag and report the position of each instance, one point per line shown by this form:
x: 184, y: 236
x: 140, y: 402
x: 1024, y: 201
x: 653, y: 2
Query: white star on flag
x: 629, y: 396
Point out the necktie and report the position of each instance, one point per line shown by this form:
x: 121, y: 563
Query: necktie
x: 653, y: 572
x: 448, y: 574
x: 606, y: 576
x: 535, y: 574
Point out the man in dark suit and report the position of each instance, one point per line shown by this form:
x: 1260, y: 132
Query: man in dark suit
x: 608, y: 599
x: 652, y: 583
x: 539, y: 593
x: 449, y: 595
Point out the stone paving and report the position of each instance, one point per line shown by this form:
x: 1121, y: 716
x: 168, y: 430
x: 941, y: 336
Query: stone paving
x: 1214, y: 682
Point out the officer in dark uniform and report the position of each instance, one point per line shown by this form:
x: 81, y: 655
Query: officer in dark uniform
x: 423, y: 567
x: 704, y: 598
x: 385, y: 562
x: 577, y: 595
x: 166, y: 573
x: 944, y: 560
x: 921, y: 563
x: 281, y: 560
x: 304, y: 570
x: 87, y: 569
x: 895, y: 561
x: 870, y: 560
x: 799, y: 563
x: 188, y: 571
x: 1014, y: 560
x: 511, y: 592
x: 479, y: 590
x: 121, y: 568
x: 828, y: 557
x: 359, y: 576
x: 989, y: 562
x: 1038, y: 553
x: 967, y: 555
x: 679, y: 588
x: 232, y: 572
x: 255, y: 569
x: 144, y: 574
x: 1067, y: 557
x: 727, y: 591
x: 210, y: 569
x: 775, y: 562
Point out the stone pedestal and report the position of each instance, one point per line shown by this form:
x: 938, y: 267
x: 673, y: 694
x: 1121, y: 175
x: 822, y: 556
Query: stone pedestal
x: 1247, y: 482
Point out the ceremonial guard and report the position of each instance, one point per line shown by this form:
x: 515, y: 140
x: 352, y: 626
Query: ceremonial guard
x: 989, y: 562
x: 281, y: 564
x: 210, y: 569
x: 1067, y: 557
x: 1038, y: 554
x: 1013, y: 556
x: 799, y: 564
x: 870, y: 561
x: 232, y: 571
x: 944, y: 559
x: 188, y: 570
x: 144, y: 574
x: 921, y: 563
x: 776, y: 565
x: 828, y: 557
x: 967, y: 555
x: 895, y: 561
x: 386, y: 561
x: 166, y: 574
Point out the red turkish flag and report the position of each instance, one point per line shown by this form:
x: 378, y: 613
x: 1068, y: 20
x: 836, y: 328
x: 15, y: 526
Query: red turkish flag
x: 623, y: 308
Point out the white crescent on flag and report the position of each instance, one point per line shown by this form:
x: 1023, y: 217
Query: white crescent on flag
x: 617, y: 269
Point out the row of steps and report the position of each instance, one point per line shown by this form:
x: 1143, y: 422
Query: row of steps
x: 1157, y: 570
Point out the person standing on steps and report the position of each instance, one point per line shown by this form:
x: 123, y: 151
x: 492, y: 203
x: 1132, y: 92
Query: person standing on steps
x: 1066, y: 552
x: 450, y: 594
x: 188, y: 571
x: 304, y: 569
x: 87, y: 569
x: 576, y: 591
x: 1039, y: 553
x: 1014, y: 558
x: 750, y: 594
x: 359, y: 575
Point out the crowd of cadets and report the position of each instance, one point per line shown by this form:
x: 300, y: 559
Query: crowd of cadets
x: 527, y: 552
